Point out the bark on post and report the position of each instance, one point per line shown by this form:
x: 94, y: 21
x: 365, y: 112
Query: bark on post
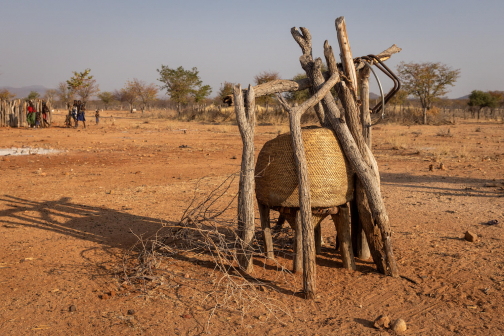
x: 246, y: 122
x: 359, y: 237
x: 372, y: 187
x: 305, y: 213
x: 363, y: 168
x: 264, y: 213
x: 342, y: 223
x: 346, y: 53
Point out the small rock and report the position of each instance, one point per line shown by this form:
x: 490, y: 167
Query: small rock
x: 451, y: 327
x: 72, y: 308
x: 399, y: 325
x: 131, y: 312
x: 187, y: 276
x: 186, y: 316
x: 383, y: 321
x: 470, y: 237
x: 112, y: 293
x: 234, y: 157
x: 104, y: 297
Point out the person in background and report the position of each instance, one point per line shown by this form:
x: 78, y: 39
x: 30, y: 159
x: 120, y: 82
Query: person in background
x: 74, y: 112
x: 38, y: 117
x: 30, y: 117
x: 97, y: 116
x: 81, y: 115
x: 45, y: 113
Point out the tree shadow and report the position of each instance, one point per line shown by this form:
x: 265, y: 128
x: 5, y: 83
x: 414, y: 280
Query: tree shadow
x: 101, y: 225
x: 414, y: 181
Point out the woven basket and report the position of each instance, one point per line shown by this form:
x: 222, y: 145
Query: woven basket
x: 330, y: 175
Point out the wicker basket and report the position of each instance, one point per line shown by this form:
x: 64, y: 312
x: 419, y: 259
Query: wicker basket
x: 330, y: 175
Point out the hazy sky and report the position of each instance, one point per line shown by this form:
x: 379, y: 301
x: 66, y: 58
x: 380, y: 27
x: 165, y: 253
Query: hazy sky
x: 44, y: 41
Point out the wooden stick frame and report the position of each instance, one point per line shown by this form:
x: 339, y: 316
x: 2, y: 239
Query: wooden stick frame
x: 352, y: 136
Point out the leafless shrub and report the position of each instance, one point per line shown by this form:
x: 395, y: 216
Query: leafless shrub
x: 207, y: 230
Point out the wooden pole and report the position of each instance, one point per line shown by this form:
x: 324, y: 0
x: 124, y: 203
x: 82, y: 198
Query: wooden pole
x: 342, y: 223
x: 264, y: 213
x: 246, y: 122
x: 346, y: 53
x: 362, y: 163
x: 359, y: 237
x: 309, y: 270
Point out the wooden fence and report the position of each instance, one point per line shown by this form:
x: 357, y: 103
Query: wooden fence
x: 13, y: 112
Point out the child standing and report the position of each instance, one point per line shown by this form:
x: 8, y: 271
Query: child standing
x: 97, y: 116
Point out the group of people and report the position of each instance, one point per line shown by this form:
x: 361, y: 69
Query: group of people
x: 36, y: 118
x: 78, y: 113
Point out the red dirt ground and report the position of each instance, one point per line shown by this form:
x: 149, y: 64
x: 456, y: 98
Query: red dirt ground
x: 67, y: 219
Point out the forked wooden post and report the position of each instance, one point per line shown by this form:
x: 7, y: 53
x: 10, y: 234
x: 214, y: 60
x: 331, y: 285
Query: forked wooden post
x: 305, y: 211
x: 245, y: 117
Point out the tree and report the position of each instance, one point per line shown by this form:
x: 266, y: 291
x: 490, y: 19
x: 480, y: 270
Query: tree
x: 82, y: 84
x: 399, y: 98
x: 225, y: 90
x: 49, y: 95
x: 65, y: 95
x: 106, y: 97
x: 126, y: 94
x: 182, y: 84
x: 6, y: 95
x: 427, y: 81
x: 298, y: 97
x: 264, y: 77
x: 32, y: 95
x: 499, y: 95
x: 145, y: 93
x: 483, y: 99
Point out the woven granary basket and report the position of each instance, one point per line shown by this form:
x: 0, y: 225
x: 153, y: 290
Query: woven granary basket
x: 330, y: 175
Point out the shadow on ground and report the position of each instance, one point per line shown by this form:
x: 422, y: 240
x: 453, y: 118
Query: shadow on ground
x: 96, y: 224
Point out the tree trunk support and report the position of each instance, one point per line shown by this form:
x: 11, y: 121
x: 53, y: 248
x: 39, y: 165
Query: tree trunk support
x: 362, y: 161
x: 246, y: 122
x: 342, y: 223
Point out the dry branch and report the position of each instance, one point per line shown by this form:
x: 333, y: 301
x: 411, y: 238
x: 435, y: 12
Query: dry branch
x: 205, y: 231
x: 285, y: 85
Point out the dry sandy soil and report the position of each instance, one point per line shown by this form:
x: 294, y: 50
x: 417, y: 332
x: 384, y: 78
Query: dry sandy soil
x: 67, y: 219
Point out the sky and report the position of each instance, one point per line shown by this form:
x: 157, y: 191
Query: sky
x: 44, y: 41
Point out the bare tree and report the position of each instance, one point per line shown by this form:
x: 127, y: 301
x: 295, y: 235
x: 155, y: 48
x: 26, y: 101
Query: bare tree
x: 126, y: 95
x: 64, y: 94
x: 49, y: 95
x: 144, y: 92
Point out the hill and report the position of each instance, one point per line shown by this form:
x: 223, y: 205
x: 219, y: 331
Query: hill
x: 23, y: 92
